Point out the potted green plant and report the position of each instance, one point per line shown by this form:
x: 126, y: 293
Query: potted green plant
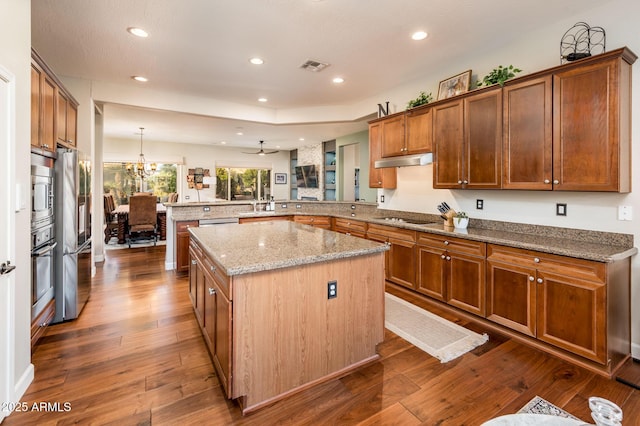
x: 422, y: 99
x: 499, y: 75
x: 460, y: 220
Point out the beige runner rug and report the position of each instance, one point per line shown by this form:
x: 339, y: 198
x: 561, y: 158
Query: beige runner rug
x: 434, y: 335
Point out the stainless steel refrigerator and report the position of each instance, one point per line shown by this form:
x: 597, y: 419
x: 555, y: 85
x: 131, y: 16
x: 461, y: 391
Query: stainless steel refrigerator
x: 73, y: 234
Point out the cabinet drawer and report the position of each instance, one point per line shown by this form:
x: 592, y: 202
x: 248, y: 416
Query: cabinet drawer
x: 562, y: 265
x: 452, y: 244
x: 391, y: 232
x: 41, y: 322
x: 350, y: 225
x: 313, y: 220
x: 184, y: 225
x: 222, y: 280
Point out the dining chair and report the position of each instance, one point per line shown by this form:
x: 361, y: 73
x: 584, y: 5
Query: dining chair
x: 110, y: 218
x: 142, y: 219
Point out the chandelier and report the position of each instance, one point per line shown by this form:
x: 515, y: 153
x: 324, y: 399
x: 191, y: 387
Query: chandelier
x: 141, y: 169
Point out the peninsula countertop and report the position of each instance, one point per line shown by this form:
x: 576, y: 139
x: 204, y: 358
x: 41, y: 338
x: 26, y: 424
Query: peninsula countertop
x: 261, y: 246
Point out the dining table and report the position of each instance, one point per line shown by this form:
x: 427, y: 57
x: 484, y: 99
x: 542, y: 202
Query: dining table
x: 122, y: 212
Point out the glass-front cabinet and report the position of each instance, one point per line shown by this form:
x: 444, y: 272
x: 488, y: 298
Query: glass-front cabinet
x: 329, y: 151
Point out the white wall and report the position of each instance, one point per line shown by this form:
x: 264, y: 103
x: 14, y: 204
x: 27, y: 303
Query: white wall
x: 15, y: 56
x: 595, y: 211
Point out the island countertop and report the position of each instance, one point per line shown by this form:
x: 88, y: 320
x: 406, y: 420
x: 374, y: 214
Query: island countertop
x: 262, y: 246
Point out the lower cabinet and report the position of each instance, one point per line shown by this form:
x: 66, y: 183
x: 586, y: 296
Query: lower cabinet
x: 452, y: 270
x: 182, y: 243
x: 262, y: 219
x: 356, y: 228
x: 558, y: 300
x: 41, y: 322
x: 400, y: 259
x: 213, y: 310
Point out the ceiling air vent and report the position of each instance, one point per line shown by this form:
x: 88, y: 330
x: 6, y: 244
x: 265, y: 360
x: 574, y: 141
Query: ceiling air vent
x: 315, y: 66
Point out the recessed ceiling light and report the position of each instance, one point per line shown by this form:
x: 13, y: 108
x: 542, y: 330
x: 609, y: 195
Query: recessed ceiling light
x: 138, y: 32
x: 256, y: 61
x: 239, y: 133
x: 419, y: 35
x: 223, y: 142
x: 338, y: 80
x: 140, y: 78
x: 262, y: 99
x: 301, y: 139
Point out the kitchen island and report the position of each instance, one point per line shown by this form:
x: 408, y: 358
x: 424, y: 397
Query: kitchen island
x: 284, y: 306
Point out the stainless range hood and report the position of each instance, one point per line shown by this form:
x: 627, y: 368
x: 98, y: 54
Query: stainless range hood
x: 405, y: 160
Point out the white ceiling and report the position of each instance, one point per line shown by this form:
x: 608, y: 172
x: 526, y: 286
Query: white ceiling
x: 202, y: 47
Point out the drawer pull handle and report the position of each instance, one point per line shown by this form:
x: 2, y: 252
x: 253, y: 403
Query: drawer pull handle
x: 446, y: 243
x: 212, y: 291
x: 536, y: 259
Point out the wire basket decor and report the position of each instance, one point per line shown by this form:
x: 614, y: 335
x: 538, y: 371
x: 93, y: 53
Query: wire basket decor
x: 582, y: 41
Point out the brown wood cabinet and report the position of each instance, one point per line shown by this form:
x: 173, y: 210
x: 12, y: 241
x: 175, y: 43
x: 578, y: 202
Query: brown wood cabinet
x: 452, y: 270
x: 379, y: 178
x: 527, y: 135
x: 41, y: 322
x: 393, y: 142
x: 400, y: 259
x: 66, y: 122
x: 357, y: 228
x: 569, y: 128
x: 467, y: 134
x: 213, y: 310
x: 418, y: 131
x: 43, y: 109
x: 315, y: 221
x: 182, y: 244
x: 262, y: 219
x: 577, y: 305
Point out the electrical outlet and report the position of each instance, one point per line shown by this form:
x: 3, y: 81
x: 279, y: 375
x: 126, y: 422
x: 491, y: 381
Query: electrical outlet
x: 298, y: 206
x: 382, y: 198
x: 332, y: 289
x: 561, y: 209
x: 625, y: 213
x: 186, y: 197
x: 479, y: 204
x: 206, y: 208
x: 284, y: 205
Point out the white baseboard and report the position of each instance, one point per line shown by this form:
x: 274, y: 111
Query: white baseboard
x: 169, y: 266
x: 23, y: 383
x: 635, y: 350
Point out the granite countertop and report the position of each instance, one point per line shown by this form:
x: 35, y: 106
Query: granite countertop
x: 582, y: 244
x: 254, y: 247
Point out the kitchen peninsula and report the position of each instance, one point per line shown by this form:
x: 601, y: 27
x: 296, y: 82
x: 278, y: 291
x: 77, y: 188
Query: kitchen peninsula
x: 283, y: 306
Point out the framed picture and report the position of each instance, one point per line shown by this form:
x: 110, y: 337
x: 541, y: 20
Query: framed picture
x: 281, y: 178
x: 455, y: 85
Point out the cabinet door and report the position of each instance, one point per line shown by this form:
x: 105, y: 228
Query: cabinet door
x: 199, y: 293
x: 393, y: 136
x: 466, y: 282
x: 48, y: 115
x: 378, y: 178
x: 418, y: 137
x: 182, y: 244
x: 572, y: 315
x: 448, y: 139
x: 401, y: 262
x: 431, y: 278
x: 483, y: 140
x: 193, y: 272
x: 587, y: 129
x: 35, y: 105
x: 72, y: 124
x: 61, y: 119
x: 380, y: 239
x: 527, y: 135
x: 511, y: 296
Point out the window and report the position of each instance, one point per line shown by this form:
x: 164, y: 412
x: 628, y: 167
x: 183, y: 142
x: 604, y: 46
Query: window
x: 243, y: 184
x: 121, y: 185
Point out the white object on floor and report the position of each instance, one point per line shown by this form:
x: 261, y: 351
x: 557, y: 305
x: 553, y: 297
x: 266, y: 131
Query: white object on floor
x: 434, y: 335
x: 525, y: 419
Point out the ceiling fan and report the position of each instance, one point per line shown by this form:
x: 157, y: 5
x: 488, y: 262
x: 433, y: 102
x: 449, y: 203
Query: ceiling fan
x: 262, y: 151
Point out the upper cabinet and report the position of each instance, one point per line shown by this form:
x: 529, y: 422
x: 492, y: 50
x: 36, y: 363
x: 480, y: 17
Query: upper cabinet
x: 569, y: 128
x: 418, y: 129
x: 54, y: 111
x: 467, y: 134
x: 392, y: 130
x: 379, y: 178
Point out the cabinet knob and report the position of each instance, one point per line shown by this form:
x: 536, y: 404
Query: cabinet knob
x: 556, y: 181
x: 379, y: 182
x: 465, y: 181
x: 443, y: 257
x: 547, y: 181
x: 194, y: 262
x: 388, y: 243
x: 531, y: 278
x: 446, y: 243
x: 212, y: 268
x: 448, y: 257
x: 536, y: 259
x: 539, y: 280
x: 212, y: 291
x: 460, y: 182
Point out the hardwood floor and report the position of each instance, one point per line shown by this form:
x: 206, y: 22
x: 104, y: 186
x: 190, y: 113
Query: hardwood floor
x: 135, y: 356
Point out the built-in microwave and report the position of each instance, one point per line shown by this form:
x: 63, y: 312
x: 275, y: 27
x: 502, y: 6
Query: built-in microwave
x: 42, y: 191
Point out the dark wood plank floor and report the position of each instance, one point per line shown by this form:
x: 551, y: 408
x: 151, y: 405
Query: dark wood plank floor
x: 135, y: 356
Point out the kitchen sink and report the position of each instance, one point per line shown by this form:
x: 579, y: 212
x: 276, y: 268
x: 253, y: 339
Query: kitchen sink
x: 399, y: 220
